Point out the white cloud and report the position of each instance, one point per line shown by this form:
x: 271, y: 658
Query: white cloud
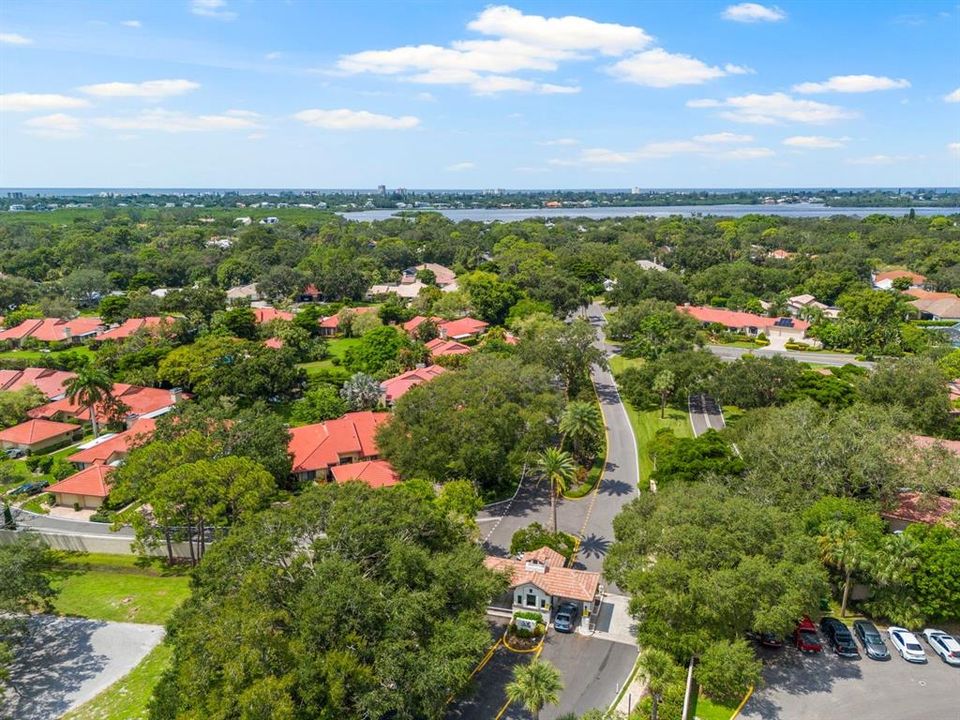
x: 724, y: 137
x: 151, y: 89
x: 852, y: 84
x: 749, y: 12
x: 815, y: 142
x: 559, y: 142
x: 30, y: 102
x: 426, y: 97
x: 750, y: 153
x: 561, y: 33
x: 879, y: 159
x: 774, y: 108
x: 953, y: 97
x: 493, y: 84
x: 954, y: 148
x: 177, y: 122
x: 659, y: 68
x: 14, y: 39
x: 732, y: 69
x: 56, y: 126
x: 460, y: 167
x: 343, y: 119
x: 216, y: 9
x: 271, y: 56
x: 132, y: 23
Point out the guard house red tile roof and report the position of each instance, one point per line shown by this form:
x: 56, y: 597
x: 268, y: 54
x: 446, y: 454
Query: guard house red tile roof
x: 914, y: 507
x: 133, y: 325
x: 555, y: 580
x: 439, y: 347
x: 36, y: 431
x: 53, y: 329
x: 734, y: 319
x: 375, y: 473
x: 397, y: 387
x: 266, y: 314
x: 106, y: 450
x: 323, y: 445
x: 51, y: 383
x: 92, y: 482
x: 138, y: 400
x: 915, y: 278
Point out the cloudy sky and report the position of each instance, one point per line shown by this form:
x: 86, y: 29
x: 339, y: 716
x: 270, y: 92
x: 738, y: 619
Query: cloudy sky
x: 454, y: 94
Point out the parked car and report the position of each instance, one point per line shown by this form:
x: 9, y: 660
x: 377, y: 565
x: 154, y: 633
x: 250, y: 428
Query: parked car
x: 14, y: 453
x: 805, y: 636
x: 871, y: 640
x: 906, y: 643
x: 565, y: 620
x: 839, y: 636
x: 770, y: 640
x: 29, y: 488
x: 946, y: 646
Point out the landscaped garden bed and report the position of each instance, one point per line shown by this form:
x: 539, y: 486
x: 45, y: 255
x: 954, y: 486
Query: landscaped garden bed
x: 525, y: 631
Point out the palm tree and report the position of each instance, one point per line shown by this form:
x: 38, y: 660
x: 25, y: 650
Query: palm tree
x: 534, y: 686
x: 842, y: 547
x: 557, y: 466
x: 362, y: 392
x: 582, y: 423
x: 663, y: 385
x: 895, y: 560
x: 660, y: 671
x: 90, y: 387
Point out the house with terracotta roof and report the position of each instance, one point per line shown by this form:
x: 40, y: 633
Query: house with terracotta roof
x: 935, y: 305
x: 113, y: 448
x: 915, y: 507
x: 396, y: 387
x: 438, y: 347
x: 137, y: 401
x: 131, y: 326
x: 885, y: 280
x: 35, y: 435
x: 445, y: 277
x: 375, y: 473
x: 310, y: 294
x: 539, y: 582
x: 319, y: 447
x: 330, y: 326
x: 52, y: 330
x: 273, y: 343
x: 265, y: 314
x: 747, y: 323
x: 86, y: 489
x: 464, y: 328
x: 50, y: 382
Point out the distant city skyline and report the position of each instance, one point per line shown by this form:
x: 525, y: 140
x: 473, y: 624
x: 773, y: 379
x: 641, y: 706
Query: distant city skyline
x: 530, y: 95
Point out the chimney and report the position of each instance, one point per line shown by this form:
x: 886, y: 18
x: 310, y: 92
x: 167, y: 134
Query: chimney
x: 67, y: 332
x: 176, y: 395
x: 443, y: 332
x: 129, y: 419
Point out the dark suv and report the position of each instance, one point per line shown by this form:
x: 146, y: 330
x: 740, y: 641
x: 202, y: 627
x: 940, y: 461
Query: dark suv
x: 566, y: 618
x: 839, y: 636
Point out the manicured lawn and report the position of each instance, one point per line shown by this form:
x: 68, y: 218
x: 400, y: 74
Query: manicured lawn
x: 618, y: 363
x: 32, y: 355
x: 338, y: 348
x: 127, y: 698
x: 645, y: 425
x: 117, y: 587
x: 709, y: 710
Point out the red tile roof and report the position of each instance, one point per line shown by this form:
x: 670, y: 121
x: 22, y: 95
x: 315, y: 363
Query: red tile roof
x: 375, y: 473
x: 462, y: 328
x: 915, y: 278
x: 397, y: 387
x: 53, y: 329
x: 413, y: 323
x: 139, y: 401
x: 734, y: 319
x: 554, y: 580
x: 50, y: 382
x: 92, y: 482
x: 110, y: 448
x: 36, y: 431
x: 274, y: 343
x: 321, y: 446
x: 132, y: 325
x: 439, y: 347
x: 333, y: 321
x: 266, y: 314
x: 925, y: 441
x: 915, y: 507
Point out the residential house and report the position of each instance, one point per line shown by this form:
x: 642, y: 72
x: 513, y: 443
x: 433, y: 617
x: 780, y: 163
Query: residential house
x: 131, y: 326
x: 266, y: 314
x: 36, y: 435
x: 789, y: 329
x: 445, y: 277
x: 885, y: 280
x: 465, y: 328
x: 52, y: 330
x: 914, y: 507
x: 539, y: 582
x: 86, y: 489
x: 780, y: 254
x: 51, y: 383
x: 375, y: 473
x: 330, y: 326
x: 137, y: 401
x: 310, y: 294
x: 318, y: 448
x: 935, y: 305
x: 800, y: 305
x: 243, y: 292
x: 438, y: 347
x: 407, y: 291
x: 113, y: 448
x: 273, y: 343
x: 651, y: 265
x: 396, y: 387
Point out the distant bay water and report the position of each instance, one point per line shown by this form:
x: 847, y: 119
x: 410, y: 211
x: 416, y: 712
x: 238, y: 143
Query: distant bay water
x: 799, y: 210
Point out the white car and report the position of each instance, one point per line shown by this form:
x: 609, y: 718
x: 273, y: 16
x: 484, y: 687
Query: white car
x: 907, y: 645
x: 943, y: 645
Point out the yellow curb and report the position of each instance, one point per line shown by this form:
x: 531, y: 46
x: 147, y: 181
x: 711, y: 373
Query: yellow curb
x: 576, y: 549
x: 742, y: 703
x: 536, y: 649
x: 480, y: 666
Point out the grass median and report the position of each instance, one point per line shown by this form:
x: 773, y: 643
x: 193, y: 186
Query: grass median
x: 646, y: 423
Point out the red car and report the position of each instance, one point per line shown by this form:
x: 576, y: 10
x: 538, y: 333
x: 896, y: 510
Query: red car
x: 805, y: 636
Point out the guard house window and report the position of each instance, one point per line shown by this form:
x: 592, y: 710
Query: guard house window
x: 543, y: 603
x: 531, y: 600
x: 519, y: 599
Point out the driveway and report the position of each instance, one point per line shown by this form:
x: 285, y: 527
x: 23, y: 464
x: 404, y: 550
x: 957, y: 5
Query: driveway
x: 705, y: 414
x: 826, y: 687
x: 66, y: 661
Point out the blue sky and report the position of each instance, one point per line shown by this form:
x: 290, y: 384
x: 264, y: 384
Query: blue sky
x: 441, y: 94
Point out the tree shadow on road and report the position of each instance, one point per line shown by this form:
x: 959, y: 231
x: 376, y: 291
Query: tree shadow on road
x: 615, y: 487
x: 592, y: 546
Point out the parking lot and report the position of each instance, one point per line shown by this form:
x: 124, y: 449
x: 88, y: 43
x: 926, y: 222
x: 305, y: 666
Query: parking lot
x: 826, y: 687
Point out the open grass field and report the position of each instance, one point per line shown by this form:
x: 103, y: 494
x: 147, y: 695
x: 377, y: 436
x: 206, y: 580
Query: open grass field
x: 32, y: 355
x: 645, y: 425
x: 338, y: 348
x: 117, y: 587
x: 618, y: 363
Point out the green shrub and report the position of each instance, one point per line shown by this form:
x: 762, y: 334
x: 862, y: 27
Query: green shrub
x: 535, y: 536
